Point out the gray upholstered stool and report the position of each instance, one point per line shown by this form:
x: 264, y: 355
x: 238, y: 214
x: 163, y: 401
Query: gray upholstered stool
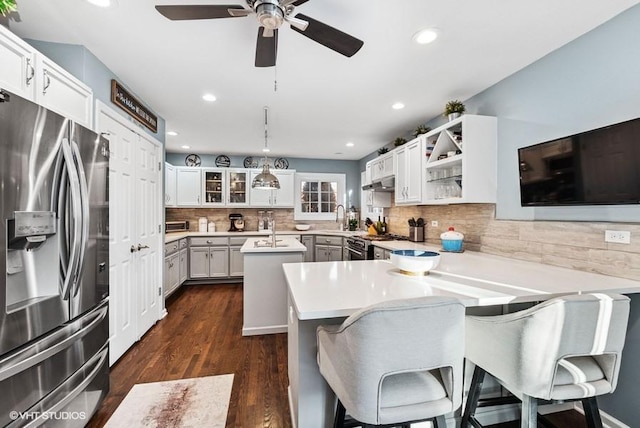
x: 396, y: 362
x: 565, y: 349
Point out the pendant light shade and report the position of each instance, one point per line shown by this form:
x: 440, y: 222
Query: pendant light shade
x: 265, y: 180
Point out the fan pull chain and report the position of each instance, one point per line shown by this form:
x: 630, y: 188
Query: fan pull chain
x: 275, y: 78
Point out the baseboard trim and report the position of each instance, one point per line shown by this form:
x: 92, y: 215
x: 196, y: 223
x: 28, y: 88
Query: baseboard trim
x: 608, y: 421
x: 272, y: 329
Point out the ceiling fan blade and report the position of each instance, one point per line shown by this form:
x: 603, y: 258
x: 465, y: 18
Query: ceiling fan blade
x: 298, y: 23
x: 198, y: 11
x: 266, y: 49
x: 237, y: 13
x: 330, y: 37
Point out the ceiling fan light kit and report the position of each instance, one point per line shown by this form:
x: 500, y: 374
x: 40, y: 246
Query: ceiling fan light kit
x: 271, y: 14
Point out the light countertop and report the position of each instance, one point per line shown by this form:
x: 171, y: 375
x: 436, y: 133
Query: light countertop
x: 338, y: 289
x: 284, y: 245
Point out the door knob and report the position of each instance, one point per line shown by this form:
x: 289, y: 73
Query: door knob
x: 141, y: 247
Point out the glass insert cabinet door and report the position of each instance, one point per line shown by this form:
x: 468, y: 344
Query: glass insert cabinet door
x: 237, y: 183
x: 318, y: 196
x: 213, y: 187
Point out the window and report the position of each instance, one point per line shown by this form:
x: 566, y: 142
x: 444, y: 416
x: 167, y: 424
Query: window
x: 318, y: 195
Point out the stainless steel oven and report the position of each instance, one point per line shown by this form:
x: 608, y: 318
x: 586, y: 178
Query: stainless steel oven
x: 359, y: 249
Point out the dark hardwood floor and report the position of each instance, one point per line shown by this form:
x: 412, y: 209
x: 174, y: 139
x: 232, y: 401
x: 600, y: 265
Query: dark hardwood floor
x: 202, y: 336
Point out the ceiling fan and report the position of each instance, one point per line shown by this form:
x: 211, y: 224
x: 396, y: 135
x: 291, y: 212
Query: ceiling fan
x: 271, y: 15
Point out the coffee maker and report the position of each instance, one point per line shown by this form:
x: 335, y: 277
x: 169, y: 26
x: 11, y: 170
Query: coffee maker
x: 237, y: 223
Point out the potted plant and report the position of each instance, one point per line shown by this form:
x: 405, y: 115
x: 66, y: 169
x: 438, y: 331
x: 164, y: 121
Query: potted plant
x: 421, y: 129
x: 399, y: 141
x: 382, y: 150
x: 7, y: 6
x: 454, y: 109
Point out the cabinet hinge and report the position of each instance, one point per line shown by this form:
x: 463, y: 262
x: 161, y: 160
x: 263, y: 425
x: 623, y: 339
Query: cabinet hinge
x: 159, y: 228
x: 159, y: 167
x: 159, y: 291
x: 4, y: 96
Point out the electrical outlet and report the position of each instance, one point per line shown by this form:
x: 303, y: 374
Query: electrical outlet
x: 434, y: 223
x: 617, y: 236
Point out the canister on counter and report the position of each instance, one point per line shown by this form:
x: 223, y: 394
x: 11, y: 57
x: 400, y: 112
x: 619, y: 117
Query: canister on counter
x: 452, y: 241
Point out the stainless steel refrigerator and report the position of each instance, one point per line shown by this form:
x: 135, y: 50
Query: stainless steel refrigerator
x: 54, y: 255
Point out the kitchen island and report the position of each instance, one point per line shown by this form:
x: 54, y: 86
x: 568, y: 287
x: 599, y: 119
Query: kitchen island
x: 265, y: 288
x: 326, y: 293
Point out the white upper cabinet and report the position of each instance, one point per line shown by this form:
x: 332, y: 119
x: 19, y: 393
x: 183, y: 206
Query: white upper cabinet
x: 169, y: 185
x: 409, y: 165
x: 17, y: 65
x: 188, y: 186
x: 26, y: 72
x: 462, y: 167
x: 383, y: 166
x: 59, y: 91
x: 236, y: 192
x: 213, y: 187
x: 283, y: 197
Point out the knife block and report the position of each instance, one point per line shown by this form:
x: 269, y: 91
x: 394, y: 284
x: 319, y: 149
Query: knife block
x: 416, y: 233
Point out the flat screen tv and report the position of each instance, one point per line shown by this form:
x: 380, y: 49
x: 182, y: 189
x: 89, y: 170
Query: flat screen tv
x: 597, y: 167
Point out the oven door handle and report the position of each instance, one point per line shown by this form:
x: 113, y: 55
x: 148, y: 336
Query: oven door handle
x: 351, y: 250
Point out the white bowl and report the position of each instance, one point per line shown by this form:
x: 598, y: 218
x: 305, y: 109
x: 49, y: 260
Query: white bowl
x: 303, y: 226
x: 415, y: 261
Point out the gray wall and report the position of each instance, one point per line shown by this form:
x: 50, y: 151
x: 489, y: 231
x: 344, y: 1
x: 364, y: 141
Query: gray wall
x: 84, y: 65
x: 349, y: 168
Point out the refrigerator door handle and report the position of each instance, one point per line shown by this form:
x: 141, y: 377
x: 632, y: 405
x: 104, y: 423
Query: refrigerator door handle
x: 84, y: 219
x: 76, y: 201
x: 40, y: 351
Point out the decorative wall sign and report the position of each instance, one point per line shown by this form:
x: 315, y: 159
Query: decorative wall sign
x: 127, y: 102
x: 192, y: 160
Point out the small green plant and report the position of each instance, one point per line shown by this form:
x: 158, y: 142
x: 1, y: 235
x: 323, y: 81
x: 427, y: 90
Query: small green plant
x: 454, y: 106
x: 382, y: 150
x: 7, y: 6
x: 421, y: 129
x: 399, y: 141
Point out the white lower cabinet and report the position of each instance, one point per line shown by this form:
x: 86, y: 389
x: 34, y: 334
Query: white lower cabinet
x: 381, y: 253
x: 307, y: 241
x: 171, y: 273
x: 208, y: 258
x: 184, y: 267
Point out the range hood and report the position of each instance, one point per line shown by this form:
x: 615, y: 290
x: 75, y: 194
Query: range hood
x: 384, y: 185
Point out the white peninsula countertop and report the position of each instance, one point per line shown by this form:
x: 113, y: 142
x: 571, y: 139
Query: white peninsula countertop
x: 338, y: 289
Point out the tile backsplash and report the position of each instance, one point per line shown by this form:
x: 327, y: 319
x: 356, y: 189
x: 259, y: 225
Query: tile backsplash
x: 220, y: 216
x: 575, y: 245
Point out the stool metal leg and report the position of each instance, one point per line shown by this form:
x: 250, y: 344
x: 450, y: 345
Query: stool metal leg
x: 439, y: 422
x: 591, y: 412
x: 473, y: 397
x: 338, y: 422
x: 529, y: 412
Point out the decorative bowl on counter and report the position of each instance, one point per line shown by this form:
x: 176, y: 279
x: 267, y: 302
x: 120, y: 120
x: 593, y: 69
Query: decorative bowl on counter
x: 303, y: 226
x: 415, y: 262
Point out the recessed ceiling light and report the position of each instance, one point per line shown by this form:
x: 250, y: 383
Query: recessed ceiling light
x: 103, y: 3
x: 397, y: 106
x: 172, y: 133
x: 266, y: 150
x: 209, y: 97
x: 350, y: 144
x: 337, y: 153
x: 426, y: 36
x: 186, y: 147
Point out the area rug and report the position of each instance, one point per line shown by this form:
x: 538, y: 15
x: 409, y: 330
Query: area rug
x: 185, y: 403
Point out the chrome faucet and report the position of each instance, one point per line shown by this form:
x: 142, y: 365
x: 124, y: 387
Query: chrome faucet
x: 273, y: 233
x: 344, y: 216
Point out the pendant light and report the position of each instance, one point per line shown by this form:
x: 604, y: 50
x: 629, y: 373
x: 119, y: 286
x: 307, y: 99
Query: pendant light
x: 265, y: 180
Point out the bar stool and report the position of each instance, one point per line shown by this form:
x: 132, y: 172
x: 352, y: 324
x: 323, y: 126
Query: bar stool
x: 395, y: 362
x: 565, y: 349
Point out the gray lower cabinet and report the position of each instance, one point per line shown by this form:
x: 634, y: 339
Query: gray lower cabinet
x: 328, y: 248
x: 381, y: 253
x: 208, y: 258
x: 307, y: 241
x: 175, y: 265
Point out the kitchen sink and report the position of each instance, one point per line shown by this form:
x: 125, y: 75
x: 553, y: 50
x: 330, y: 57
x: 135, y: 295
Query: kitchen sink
x: 268, y: 243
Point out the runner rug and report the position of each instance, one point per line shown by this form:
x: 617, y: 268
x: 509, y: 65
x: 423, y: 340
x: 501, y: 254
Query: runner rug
x: 197, y: 402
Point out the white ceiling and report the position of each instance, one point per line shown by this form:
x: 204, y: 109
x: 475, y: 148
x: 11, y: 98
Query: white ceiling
x: 323, y: 99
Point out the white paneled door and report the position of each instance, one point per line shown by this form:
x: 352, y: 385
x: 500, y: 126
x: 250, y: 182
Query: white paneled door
x: 135, y: 213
